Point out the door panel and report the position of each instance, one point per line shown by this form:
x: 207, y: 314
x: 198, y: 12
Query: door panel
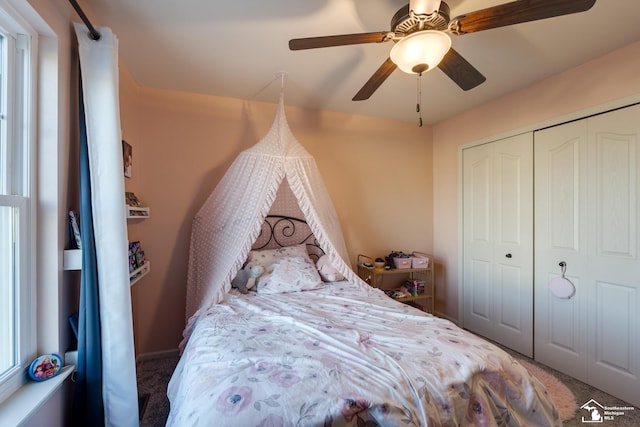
x: 479, y: 298
x: 509, y: 198
x: 497, y: 235
x: 615, y: 186
x: 562, y: 184
x: 513, y: 248
x: 510, y: 311
x: 560, y: 193
x: 615, y: 316
x: 614, y: 268
x: 478, y: 239
x: 563, y: 321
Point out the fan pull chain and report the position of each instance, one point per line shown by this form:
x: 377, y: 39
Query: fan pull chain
x: 419, y: 103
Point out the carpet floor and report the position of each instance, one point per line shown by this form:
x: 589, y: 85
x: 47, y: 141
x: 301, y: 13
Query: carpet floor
x: 560, y: 394
x: 154, y: 374
x: 153, y: 378
x: 584, y: 393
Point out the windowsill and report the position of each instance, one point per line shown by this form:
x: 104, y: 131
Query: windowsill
x: 24, y: 402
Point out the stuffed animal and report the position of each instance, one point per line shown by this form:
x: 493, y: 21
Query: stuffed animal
x: 246, y: 278
x: 327, y: 272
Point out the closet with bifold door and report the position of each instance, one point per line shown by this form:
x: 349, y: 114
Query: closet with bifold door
x: 587, y: 229
x: 498, y: 245
x: 584, y: 238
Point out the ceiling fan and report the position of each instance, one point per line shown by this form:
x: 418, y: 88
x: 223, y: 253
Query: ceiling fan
x: 420, y: 31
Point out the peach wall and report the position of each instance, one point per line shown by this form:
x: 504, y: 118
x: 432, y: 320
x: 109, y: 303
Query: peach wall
x: 377, y: 172
x: 601, y: 81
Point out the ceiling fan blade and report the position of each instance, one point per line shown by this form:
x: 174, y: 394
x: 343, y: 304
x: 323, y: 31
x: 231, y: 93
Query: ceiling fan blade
x: 460, y: 70
x: 341, y: 40
x: 375, y: 80
x: 516, y: 12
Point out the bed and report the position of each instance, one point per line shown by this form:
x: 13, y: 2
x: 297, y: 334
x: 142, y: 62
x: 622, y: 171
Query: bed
x: 342, y: 354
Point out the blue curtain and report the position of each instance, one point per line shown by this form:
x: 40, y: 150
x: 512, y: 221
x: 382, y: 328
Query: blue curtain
x: 88, y: 408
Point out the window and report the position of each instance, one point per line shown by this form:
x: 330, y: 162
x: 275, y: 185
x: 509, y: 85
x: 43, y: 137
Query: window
x: 17, y: 286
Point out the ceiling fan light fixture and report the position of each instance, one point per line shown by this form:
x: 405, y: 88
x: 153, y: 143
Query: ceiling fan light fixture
x: 420, y: 51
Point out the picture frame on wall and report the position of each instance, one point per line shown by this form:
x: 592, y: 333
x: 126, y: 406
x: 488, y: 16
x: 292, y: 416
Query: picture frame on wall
x: 127, y: 158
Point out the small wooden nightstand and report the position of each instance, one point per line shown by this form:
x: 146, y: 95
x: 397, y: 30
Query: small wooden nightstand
x: 375, y: 277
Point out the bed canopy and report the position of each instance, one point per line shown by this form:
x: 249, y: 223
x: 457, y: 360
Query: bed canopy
x: 229, y: 222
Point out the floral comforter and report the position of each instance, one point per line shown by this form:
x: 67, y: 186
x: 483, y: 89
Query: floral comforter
x: 344, y: 356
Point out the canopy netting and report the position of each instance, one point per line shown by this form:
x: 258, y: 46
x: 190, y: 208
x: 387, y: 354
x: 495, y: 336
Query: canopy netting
x: 229, y: 222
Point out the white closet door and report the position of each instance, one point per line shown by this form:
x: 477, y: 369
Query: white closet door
x: 498, y: 245
x: 587, y: 214
x: 561, y: 228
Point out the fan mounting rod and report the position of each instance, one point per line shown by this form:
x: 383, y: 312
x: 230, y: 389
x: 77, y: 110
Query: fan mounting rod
x: 406, y: 22
x: 424, y: 7
x: 421, y: 10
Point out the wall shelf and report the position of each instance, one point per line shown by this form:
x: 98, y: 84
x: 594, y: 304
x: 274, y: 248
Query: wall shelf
x: 73, y: 261
x: 137, y: 212
x: 139, y: 272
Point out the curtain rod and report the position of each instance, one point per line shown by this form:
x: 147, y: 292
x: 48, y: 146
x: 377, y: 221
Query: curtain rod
x: 95, y: 35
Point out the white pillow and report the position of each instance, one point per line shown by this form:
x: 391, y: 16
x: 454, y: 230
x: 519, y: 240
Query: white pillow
x: 291, y: 274
x: 268, y: 257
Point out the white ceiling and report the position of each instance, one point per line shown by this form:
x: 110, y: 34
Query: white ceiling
x: 237, y: 48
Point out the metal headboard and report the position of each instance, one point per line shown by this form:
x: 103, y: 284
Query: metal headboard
x: 279, y: 231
